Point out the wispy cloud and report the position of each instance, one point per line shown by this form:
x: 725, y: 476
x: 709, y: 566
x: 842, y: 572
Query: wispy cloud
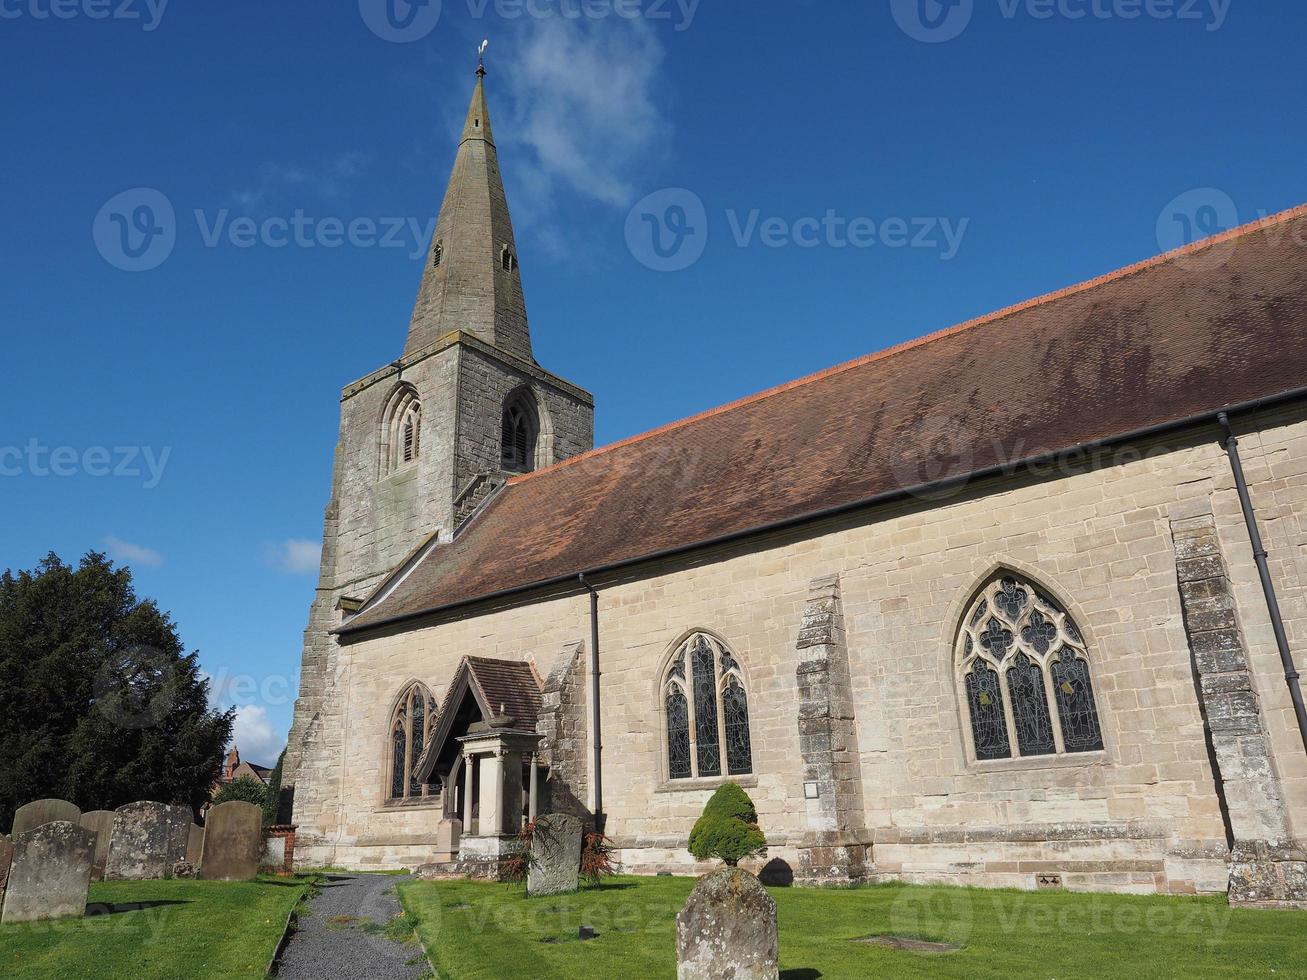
x: 295, y: 556
x: 584, y: 101
x: 132, y: 554
x: 276, y: 180
x: 254, y: 735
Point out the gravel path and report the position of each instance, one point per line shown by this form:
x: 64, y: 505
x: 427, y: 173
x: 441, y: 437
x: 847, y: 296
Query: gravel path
x: 331, y: 942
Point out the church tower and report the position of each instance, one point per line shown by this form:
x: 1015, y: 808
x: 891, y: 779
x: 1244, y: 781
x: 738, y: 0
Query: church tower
x: 427, y: 439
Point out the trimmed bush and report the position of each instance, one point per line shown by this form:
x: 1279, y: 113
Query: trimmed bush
x: 728, y: 829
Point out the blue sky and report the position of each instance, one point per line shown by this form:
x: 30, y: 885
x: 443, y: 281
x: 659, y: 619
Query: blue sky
x: 867, y: 173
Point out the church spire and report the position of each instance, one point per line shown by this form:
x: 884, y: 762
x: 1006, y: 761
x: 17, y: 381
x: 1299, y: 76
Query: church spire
x: 471, y: 281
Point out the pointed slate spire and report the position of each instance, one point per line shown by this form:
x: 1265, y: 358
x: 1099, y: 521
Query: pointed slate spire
x: 471, y: 281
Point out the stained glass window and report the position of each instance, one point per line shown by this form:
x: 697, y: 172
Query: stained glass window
x: 735, y: 706
x: 678, y: 733
x: 707, y: 711
x: 1025, y: 681
x: 1016, y: 644
x: 988, y: 726
x: 409, y: 726
x: 1075, y: 704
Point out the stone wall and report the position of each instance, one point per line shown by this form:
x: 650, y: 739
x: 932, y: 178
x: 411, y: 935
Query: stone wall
x: 374, y: 522
x: 565, y: 745
x: 1142, y: 815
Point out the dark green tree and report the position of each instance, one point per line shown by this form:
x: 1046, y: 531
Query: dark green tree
x: 272, y: 805
x: 728, y: 829
x: 99, y: 702
x: 246, y: 790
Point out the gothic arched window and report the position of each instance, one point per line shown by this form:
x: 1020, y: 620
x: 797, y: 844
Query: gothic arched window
x: 707, y: 711
x: 1025, y: 675
x: 521, y: 430
x: 401, y: 430
x: 410, y: 724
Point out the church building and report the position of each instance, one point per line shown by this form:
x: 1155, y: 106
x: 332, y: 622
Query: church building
x: 1014, y: 604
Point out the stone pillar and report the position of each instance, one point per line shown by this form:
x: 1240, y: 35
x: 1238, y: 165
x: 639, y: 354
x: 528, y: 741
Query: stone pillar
x: 469, y: 771
x: 1265, y: 865
x: 534, y: 799
x: 834, y: 850
x: 492, y: 795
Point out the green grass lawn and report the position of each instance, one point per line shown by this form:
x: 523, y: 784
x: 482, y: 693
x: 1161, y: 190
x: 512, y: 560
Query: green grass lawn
x: 491, y: 931
x: 157, y: 929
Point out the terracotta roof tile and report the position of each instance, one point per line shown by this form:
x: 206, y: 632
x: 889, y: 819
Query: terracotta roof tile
x: 1218, y: 324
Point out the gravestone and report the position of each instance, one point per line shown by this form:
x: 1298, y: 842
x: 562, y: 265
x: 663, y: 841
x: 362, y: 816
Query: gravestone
x: 6, y: 857
x: 50, y: 874
x: 233, y: 842
x: 148, y: 839
x: 727, y: 929
x: 100, y: 823
x: 274, y: 853
x: 555, y: 863
x: 194, y: 845
x: 34, y: 814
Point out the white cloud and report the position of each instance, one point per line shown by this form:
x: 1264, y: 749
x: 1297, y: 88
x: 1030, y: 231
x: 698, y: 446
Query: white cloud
x: 133, y: 554
x: 254, y: 735
x: 583, y: 98
x: 276, y: 179
x: 295, y: 556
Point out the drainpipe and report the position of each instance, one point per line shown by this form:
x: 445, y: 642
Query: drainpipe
x: 597, y: 739
x: 1268, y: 586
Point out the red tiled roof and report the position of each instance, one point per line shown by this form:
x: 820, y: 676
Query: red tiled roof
x: 1218, y: 324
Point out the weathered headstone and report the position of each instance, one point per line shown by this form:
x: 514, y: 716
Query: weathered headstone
x: 274, y: 853
x: 555, y: 863
x: 727, y: 929
x: 194, y: 845
x: 233, y: 842
x: 6, y: 858
x: 148, y: 839
x: 100, y: 823
x: 38, y: 812
x: 50, y: 874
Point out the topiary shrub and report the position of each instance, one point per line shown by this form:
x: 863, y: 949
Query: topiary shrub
x: 728, y: 829
x: 242, y: 788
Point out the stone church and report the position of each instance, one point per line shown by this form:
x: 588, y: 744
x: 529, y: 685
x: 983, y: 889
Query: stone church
x: 1014, y: 604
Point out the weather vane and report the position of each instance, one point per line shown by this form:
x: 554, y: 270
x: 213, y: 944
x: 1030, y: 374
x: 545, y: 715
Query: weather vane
x: 481, y: 56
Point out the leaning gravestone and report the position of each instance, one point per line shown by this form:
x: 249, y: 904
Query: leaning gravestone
x: 148, y: 839
x: 51, y: 873
x: 233, y: 842
x: 555, y: 862
x: 100, y: 823
x: 6, y: 858
x: 727, y: 929
x: 34, y: 814
x: 194, y: 845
